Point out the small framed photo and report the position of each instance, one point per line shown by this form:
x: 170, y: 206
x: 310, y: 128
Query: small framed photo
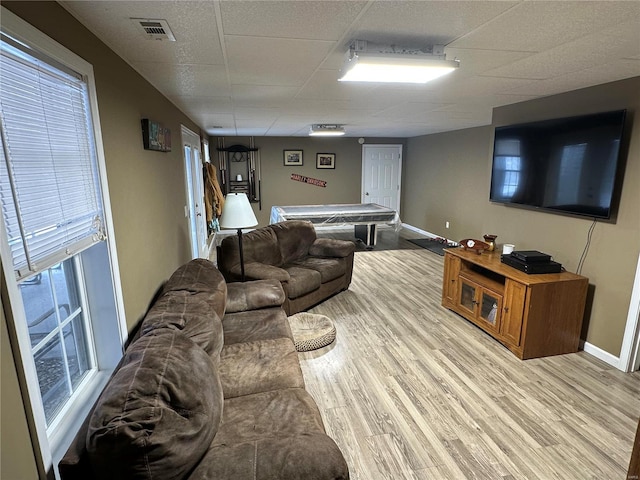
x: 326, y: 160
x: 293, y: 158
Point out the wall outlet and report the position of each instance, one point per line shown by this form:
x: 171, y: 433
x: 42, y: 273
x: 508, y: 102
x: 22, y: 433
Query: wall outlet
x: 446, y: 224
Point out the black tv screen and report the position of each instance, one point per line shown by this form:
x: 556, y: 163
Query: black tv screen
x: 565, y: 165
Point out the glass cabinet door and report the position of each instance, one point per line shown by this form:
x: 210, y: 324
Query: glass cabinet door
x: 468, y: 296
x: 490, y: 308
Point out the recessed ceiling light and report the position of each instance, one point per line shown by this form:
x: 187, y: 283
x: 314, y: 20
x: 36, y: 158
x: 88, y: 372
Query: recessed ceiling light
x: 370, y: 63
x: 326, y: 130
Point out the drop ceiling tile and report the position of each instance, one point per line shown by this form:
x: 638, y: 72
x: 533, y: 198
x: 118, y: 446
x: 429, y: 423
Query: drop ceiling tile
x: 536, y: 26
x: 475, y: 61
x: 464, y: 89
x: 315, y: 20
x: 567, y: 58
x: 607, y: 72
x: 208, y: 104
x: 410, y: 110
x: 262, y: 95
x: 187, y: 80
x: 265, y: 61
x: 424, y: 22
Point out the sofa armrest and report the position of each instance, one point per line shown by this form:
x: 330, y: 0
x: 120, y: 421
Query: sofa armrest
x: 330, y: 247
x: 244, y: 296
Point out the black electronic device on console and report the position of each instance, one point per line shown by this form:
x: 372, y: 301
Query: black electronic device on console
x: 531, y: 261
x: 531, y: 256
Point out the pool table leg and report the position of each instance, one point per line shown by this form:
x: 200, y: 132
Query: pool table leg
x: 366, y: 233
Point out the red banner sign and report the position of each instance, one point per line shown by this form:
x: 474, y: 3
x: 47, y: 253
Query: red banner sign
x: 311, y: 181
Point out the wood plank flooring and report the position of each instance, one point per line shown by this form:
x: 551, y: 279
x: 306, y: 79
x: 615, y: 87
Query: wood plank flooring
x: 410, y: 390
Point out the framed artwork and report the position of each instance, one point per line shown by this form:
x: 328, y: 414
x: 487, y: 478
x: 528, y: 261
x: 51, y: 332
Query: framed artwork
x: 292, y: 158
x: 155, y: 136
x: 326, y: 160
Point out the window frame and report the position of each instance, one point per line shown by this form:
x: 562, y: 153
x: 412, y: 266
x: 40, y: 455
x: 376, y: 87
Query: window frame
x: 50, y: 443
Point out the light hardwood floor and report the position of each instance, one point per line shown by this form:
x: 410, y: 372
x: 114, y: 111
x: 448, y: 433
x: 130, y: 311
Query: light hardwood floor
x: 410, y: 390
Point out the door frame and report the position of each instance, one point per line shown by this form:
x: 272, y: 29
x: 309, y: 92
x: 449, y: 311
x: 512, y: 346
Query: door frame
x: 629, y: 360
x: 366, y: 146
x: 198, y: 245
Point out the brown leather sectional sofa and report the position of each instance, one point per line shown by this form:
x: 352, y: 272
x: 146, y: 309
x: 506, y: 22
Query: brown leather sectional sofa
x: 209, y: 388
x: 310, y: 269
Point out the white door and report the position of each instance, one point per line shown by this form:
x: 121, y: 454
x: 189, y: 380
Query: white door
x: 195, y: 193
x: 381, y: 173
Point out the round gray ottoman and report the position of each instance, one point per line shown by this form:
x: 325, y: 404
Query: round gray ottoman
x: 311, y: 331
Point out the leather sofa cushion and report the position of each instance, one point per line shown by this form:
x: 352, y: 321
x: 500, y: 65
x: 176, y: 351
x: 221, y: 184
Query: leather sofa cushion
x: 159, y: 413
x: 277, y: 434
x: 329, y: 268
x: 242, y: 296
x: 255, y: 367
x: 253, y: 326
x: 192, y: 315
x: 301, y: 281
x: 259, y: 245
x: 330, y: 247
x: 294, y: 238
x: 200, y: 276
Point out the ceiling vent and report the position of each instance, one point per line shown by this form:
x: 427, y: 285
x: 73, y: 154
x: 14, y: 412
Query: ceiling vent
x: 154, y: 29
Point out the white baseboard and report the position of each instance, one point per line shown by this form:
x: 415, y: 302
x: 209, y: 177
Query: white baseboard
x: 425, y: 233
x: 418, y: 230
x: 600, y: 354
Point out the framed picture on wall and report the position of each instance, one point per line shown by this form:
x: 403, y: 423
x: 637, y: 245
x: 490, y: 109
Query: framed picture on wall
x: 292, y: 158
x: 326, y: 160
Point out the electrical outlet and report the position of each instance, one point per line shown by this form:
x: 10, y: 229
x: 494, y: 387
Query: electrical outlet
x: 446, y: 224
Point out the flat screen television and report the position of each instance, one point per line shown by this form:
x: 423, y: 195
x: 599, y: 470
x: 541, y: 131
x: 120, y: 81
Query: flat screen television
x: 565, y: 165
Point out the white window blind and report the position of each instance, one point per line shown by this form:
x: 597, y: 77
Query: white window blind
x: 49, y: 189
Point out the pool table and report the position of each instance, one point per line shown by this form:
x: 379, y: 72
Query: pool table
x: 363, y: 216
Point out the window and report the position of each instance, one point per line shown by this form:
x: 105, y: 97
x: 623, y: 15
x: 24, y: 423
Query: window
x: 55, y: 229
x: 57, y: 323
x: 508, y: 166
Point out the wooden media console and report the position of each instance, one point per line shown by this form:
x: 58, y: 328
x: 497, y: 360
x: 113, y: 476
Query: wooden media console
x: 532, y: 315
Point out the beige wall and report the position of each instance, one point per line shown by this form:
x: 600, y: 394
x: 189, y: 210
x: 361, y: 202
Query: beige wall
x: 16, y: 454
x: 447, y: 178
x: 147, y: 196
x: 343, y: 183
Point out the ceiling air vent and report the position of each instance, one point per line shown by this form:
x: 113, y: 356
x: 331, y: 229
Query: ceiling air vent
x: 154, y: 29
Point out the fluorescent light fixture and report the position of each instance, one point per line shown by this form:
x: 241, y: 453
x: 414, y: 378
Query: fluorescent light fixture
x: 390, y: 64
x: 324, y: 130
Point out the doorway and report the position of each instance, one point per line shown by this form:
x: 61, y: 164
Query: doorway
x: 381, y: 175
x: 195, y: 193
x: 630, y: 351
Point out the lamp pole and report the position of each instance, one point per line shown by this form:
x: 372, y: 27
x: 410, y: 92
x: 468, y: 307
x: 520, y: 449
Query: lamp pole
x: 241, y: 255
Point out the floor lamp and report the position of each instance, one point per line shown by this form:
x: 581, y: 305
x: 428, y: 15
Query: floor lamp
x: 237, y: 213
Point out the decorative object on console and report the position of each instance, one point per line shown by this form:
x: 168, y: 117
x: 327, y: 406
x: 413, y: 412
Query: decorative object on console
x: 507, y: 248
x: 477, y: 246
x: 237, y: 213
x: 491, y: 241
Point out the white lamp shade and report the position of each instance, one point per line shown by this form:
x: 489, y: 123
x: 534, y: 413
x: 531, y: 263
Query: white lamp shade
x: 237, y: 212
